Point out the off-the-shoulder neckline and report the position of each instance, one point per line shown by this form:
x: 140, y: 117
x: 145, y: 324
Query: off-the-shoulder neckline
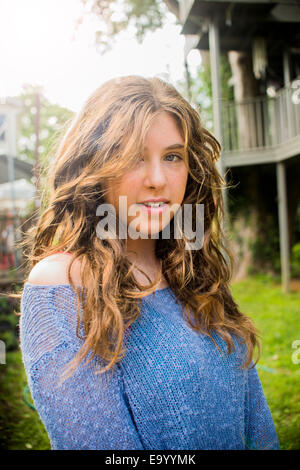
x: 29, y: 284
x: 48, y: 285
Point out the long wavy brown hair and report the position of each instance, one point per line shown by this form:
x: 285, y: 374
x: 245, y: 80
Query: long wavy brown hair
x: 103, y: 141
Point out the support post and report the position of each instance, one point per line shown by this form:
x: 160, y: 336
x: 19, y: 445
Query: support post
x: 283, y: 226
x: 286, y: 68
x: 288, y: 96
x: 214, y: 52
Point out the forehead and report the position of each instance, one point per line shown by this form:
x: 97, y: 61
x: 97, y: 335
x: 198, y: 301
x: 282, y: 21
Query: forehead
x: 163, y: 131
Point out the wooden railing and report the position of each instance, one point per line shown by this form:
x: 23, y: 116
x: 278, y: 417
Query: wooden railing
x: 262, y: 122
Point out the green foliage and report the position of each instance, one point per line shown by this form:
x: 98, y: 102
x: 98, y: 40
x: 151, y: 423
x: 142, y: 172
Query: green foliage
x: 295, y: 260
x: 4, y: 305
x: 201, y: 89
x: 53, y: 119
x: 8, y: 337
x: 53, y: 122
x: 238, y: 204
x: 266, y: 253
x: 9, y: 322
x: 117, y: 16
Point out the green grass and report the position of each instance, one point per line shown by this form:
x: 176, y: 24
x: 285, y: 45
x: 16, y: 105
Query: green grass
x: 275, y: 314
x: 20, y: 426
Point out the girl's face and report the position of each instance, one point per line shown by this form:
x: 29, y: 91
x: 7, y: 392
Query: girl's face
x: 160, y: 173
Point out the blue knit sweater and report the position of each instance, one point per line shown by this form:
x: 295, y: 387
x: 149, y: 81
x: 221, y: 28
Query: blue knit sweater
x: 172, y: 390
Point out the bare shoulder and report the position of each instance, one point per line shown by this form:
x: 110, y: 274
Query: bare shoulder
x: 53, y: 270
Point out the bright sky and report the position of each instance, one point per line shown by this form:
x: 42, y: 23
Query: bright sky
x: 39, y: 44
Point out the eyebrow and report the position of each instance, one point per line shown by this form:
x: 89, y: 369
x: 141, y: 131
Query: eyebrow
x: 171, y: 147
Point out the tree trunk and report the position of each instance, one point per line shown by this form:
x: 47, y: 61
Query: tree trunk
x: 293, y: 190
x: 254, y: 219
x: 245, y: 87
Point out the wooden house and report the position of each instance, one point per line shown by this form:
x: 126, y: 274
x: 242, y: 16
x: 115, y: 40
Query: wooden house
x: 261, y: 127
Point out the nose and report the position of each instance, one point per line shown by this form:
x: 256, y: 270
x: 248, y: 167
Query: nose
x: 155, y: 174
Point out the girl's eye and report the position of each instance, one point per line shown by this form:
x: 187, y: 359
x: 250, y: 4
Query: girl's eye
x: 174, y: 155
x: 141, y: 159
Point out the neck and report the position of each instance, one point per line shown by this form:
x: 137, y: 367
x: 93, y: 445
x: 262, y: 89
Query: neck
x: 142, y: 253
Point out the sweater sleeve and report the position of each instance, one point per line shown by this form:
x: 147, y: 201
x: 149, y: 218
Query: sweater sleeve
x: 87, y: 411
x: 260, y: 429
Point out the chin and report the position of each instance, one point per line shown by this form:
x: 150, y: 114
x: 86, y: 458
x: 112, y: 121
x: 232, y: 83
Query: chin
x: 150, y: 232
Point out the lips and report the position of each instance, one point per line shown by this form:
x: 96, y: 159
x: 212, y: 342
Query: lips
x: 154, y: 209
x: 154, y: 204
x: 155, y: 200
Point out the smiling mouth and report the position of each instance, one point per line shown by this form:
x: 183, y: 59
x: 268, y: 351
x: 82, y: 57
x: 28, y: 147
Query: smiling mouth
x: 154, y: 208
x: 154, y: 204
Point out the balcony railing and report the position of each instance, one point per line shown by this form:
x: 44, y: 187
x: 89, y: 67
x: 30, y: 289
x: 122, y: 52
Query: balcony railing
x: 262, y: 122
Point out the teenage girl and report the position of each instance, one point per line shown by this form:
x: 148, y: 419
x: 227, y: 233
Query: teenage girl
x: 129, y: 334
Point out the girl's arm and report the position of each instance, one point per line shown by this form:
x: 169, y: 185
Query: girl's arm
x: 87, y: 411
x: 260, y: 429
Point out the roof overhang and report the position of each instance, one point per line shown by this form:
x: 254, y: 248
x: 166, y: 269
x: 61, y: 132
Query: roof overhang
x: 239, y: 21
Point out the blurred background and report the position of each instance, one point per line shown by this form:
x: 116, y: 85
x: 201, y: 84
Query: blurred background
x: 238, y: 63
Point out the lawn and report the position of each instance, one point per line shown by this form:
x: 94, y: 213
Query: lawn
x: 20, y: 426
x: 275, y: 314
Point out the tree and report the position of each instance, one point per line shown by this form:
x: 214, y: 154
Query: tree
x: 201, y: 89
x: 53, y: 119
x: 40, y: 125
x: 116, y: 16
x: 141, y: 16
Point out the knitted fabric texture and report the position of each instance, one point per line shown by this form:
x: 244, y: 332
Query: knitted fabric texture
x: 172, y: 390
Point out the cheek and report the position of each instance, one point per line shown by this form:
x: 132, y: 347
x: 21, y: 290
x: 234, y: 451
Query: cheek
x: 128, y: 186
x: 179, y: 181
